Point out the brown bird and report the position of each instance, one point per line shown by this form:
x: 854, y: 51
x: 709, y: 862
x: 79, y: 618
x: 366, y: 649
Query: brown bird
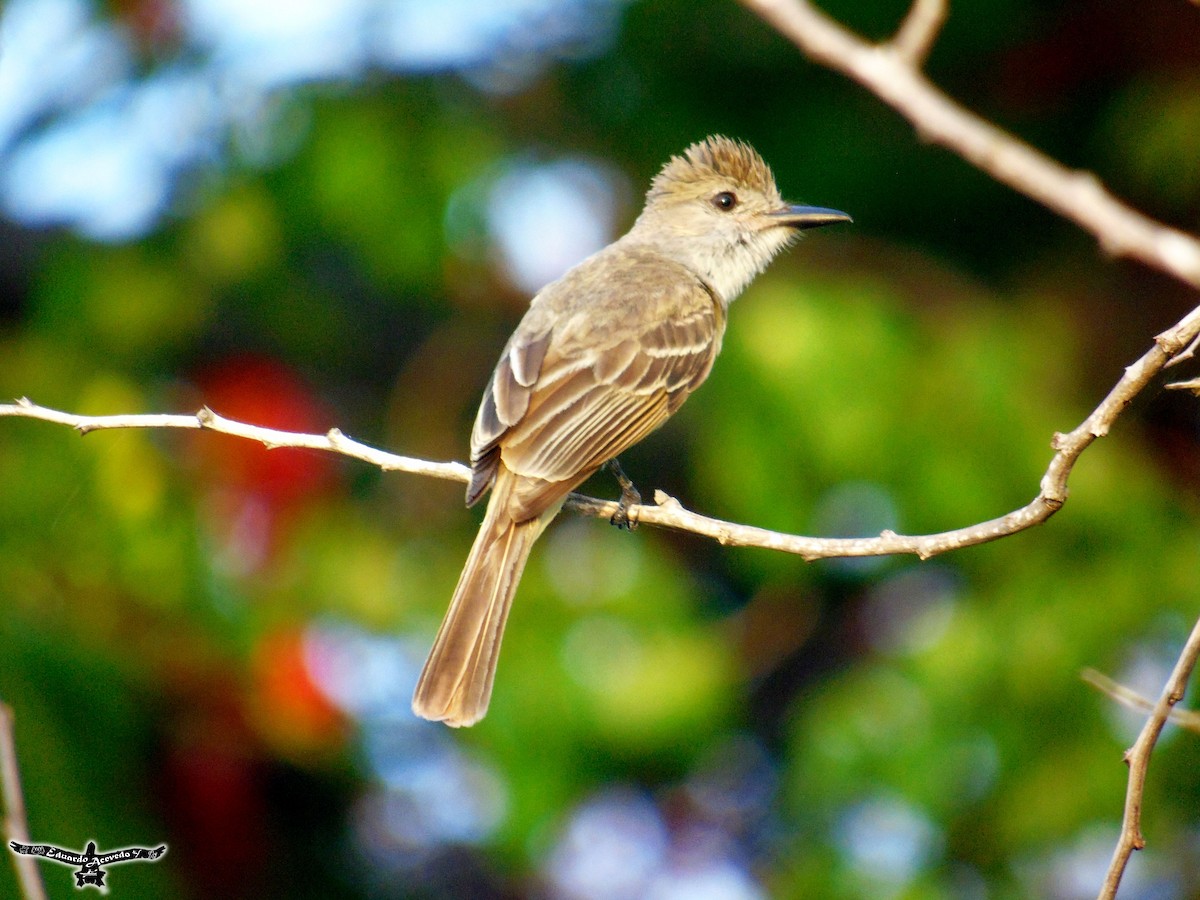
x: 601, y: 358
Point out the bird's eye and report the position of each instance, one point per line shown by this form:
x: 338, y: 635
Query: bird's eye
x: 725, y: 201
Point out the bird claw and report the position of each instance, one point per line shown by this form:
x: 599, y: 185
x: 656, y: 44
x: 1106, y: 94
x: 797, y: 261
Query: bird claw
x: 630, y: 497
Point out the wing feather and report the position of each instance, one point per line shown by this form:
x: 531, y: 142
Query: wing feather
x: 567, y: 397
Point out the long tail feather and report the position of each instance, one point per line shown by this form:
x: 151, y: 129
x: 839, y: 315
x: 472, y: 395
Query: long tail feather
x: 456, y: 684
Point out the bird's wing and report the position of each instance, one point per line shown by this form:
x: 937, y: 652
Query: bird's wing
x: 505, y: 402
x: 563, y: 402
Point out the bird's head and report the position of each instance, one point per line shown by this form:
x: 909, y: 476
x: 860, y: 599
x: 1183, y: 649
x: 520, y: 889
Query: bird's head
x: 716, y: 209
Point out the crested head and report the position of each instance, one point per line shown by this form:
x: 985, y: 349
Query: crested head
x: 716, y: 210
x: 715, y: 159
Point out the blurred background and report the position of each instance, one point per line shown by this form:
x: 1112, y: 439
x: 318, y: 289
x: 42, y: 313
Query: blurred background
x: 332, y: 213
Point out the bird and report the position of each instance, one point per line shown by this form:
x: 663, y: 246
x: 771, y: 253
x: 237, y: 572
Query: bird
x: 601, y: 358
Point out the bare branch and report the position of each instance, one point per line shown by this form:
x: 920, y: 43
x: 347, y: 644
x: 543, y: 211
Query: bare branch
x: 667, y: 512
x: 1190, y: 351
x: 889, y: 71
x: 16, y: 826
x: 1138, y: 758
x: 1053, y: 494
x: 1128, y: 697
x: 1192, y: 384
x: 332, y: 441
x: 919, y: 30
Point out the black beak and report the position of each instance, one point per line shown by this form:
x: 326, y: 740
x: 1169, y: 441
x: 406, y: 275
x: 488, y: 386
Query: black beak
x: 801, y: 217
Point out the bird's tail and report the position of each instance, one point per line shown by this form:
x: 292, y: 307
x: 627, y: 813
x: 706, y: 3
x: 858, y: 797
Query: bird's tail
x: 456, y: 683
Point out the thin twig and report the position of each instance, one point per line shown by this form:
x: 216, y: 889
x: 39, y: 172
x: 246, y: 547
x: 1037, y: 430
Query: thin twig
x: 332, y: 441
x: 1190, y: 351
x: 890, y: 72
x: 1138, y: 759
x: 919, y: 30
x: 1192, y: 384
x: 1128, y: 697
x: 16, y: 826
x: 667, y: 512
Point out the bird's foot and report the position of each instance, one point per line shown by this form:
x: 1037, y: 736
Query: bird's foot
x: 630, y: 496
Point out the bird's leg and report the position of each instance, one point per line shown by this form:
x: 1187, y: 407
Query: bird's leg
x: 630, y: 496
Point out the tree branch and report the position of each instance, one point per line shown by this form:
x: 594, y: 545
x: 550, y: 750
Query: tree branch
x: 1127, y: 697
x: 919, y: 30
x: 667, y: 512
x: 16, y: 826
x: 1053, y: 494
x: 889, y: 70
x: 1138, y: 759
x: 332, y: 441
